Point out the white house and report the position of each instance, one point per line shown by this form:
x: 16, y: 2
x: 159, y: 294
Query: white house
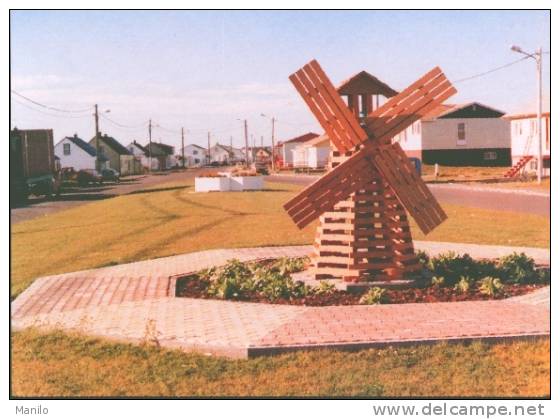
x: 139, y: 151
x: 77, y: 154
x: 226, y: 154
x: 195, y: 155
x: 288, y: 146
x: 459, y: 135
x: 312, y: 154
x: 525, y: 140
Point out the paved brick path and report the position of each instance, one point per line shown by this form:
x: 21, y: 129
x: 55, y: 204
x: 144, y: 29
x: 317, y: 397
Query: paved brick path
x: 135, y: 302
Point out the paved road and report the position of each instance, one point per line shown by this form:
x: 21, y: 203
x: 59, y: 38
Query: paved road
x: 463, y: 195
x: 73, y: 197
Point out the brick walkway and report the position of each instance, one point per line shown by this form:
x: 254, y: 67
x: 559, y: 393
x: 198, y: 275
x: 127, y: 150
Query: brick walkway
x: 135, y: 302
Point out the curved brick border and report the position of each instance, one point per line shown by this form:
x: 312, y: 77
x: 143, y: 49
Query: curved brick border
x: 135, y: 302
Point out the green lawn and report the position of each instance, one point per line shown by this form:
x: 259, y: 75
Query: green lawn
x: 171, y: 219
x: 67, y: 365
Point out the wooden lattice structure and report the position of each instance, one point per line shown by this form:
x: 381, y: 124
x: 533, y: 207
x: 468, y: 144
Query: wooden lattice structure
x: 361, y: 201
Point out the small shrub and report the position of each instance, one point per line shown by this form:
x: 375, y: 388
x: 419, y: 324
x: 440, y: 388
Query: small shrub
x: 451, y: 267
x: 374, y: 295
x: 517, y: 269
x: 324, y: 288
x: 491, y: 286
x: 543, y: 276
x: 423, y: 258
x: 290, y: 265
x: 437, y: 281
x: 464, y: 284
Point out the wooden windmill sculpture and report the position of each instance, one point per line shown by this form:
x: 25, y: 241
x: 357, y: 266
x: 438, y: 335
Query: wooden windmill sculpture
x: 364, y: 232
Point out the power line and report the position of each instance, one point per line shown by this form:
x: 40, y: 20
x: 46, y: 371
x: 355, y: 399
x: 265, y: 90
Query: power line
x: 52, y: 108
x: 47, y: 113
x: 490, y: 71
x: 118, y: 124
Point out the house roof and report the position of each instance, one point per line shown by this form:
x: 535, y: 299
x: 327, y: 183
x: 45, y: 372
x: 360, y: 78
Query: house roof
x: 365, y: 83
x: 437, y: 111
x: 159, y: 149
x: 525, y: 115
x: 197, y: 146
x: 141, y: 147
x: 317, y: 140
x: 302, y: 138
x: 113, y: 144
x: 473, y: 110
x: 88, y: 148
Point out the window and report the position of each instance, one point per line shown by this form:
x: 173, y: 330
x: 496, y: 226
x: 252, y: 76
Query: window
x: 195, y: 152
x: 196, y: 161
x: 490, y: 155
x: 461, y: 135
x: 66, y: 148
x: 520, y: 128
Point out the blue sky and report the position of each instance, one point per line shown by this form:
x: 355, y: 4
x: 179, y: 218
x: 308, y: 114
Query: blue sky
x: 206, y: 70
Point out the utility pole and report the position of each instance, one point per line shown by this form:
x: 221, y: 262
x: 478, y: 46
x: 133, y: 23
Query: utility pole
x: 273, y: 121
x: 183, y: 146
x: 262, y: 141
x: 538, y: 59
x: 97, y: 161
x: 208, y: 147
x: 231, y: 143
x: 246, y: 144
x: 150, y: 146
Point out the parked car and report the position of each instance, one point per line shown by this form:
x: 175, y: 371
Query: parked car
x: 86, y: 176
x: 110, y: 175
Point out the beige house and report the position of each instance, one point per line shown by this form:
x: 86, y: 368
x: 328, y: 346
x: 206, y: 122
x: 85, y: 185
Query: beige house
x: 471, y: 134
x: 312, y: 154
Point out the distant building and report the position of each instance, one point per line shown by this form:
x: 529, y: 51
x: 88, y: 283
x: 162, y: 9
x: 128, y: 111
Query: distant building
x: 161, y: 153
x: 140, y: 152
x: 75, y: 153
x: 472, y: 134
x: 525, y: 141
x: 120, y: 158
x: 195, y: 155
x: 225, y: 154
x: 312, y: 154
x: 289, y: 145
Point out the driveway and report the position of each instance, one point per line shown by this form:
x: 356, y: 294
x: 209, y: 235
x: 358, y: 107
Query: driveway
x: 72, y: 197
x: 460, y: 194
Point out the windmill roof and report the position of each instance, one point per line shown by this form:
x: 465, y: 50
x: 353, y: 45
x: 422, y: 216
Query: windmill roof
x: 364, y: 82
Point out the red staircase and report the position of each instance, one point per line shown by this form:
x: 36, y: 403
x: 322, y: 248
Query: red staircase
x: 518, y: 166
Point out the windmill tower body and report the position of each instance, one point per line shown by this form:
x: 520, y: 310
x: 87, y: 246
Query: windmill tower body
x: 367, y: 236
x: 364, y: 231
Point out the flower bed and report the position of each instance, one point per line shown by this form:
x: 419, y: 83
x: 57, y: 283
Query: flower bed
x: 445, y: 278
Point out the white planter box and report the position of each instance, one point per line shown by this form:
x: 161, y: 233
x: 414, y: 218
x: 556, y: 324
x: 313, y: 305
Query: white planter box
x: 209, y: 184
x: 246, y: 183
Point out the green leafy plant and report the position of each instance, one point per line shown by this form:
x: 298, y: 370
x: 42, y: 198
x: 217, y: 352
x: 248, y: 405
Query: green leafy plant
x: 324, y: 288
x: 451, y: 267
x: 517, y: 269
x: 374, y: 295
x: 437, y: 281
x: 464, y: 284
x: 491, y: 286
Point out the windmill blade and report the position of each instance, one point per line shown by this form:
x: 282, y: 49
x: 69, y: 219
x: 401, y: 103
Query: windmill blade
x: 321, y: 97
x: 409, y: 187
x: 410, y: 105
x: 356, y: 172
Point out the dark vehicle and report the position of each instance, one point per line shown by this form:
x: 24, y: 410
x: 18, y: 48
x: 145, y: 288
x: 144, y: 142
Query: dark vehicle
x: 33, y: 168
x: 110, y: 175
x: 86, y: 176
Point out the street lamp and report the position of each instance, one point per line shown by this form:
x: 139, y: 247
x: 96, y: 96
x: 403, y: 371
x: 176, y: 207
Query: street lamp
x: 537, y: 56
x: 273, y: 121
